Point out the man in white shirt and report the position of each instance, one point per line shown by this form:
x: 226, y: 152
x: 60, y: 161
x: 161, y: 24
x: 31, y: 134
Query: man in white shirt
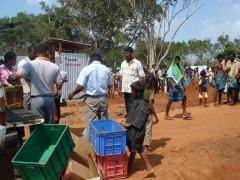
x: 131, y: 71
x: 24, y: 81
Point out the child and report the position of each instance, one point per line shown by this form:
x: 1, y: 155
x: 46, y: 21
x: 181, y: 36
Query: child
x: 135, y: 123
x: 203, y: 88
x: 212, y: 81
x: 149, y: 99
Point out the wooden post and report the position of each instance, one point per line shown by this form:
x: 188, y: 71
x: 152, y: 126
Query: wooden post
x: 60, y: 47
x: 113, y: 86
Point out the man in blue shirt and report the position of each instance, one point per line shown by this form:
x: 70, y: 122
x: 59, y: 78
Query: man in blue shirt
x: 94, y: 80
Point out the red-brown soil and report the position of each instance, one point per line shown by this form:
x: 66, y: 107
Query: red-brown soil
x: 207, y: 147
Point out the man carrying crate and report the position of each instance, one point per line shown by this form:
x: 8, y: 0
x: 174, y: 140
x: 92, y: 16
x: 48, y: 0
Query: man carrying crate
x: 94, y: 80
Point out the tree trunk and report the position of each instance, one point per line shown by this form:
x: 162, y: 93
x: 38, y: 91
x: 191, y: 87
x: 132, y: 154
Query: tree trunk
x: 152, y: 53
x: 151, y: 49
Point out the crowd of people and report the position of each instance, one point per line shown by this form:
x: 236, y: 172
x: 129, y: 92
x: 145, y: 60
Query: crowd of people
x: 223, y: 76
x: 42, y: 80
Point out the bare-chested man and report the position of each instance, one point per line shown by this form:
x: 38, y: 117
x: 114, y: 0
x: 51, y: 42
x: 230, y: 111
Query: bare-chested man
x: 219, y: 77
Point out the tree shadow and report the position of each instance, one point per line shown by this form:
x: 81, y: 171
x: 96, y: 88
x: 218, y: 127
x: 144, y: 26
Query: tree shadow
x: 64, y: 102
x: 63, y: 115
x: 155, y: 159
x: 157, y: 143
x: 77, y: 131
x: 138, y: 165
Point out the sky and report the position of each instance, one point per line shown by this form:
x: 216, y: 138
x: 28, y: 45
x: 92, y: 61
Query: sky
x: 216, y: 17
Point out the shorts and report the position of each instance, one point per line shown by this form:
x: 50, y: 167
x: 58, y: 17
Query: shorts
x: 203, y: 95
x: 161, y: 82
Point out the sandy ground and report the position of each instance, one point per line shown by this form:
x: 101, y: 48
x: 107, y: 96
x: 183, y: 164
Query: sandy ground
x: 207, y: 147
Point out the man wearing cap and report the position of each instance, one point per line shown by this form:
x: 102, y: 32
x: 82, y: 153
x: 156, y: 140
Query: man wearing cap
x: 131, y: 71
x: 94, y: 80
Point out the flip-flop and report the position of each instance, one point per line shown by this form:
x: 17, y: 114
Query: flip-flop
x: 186, y: 117
x: 150, y: 173
x: 168, y: 118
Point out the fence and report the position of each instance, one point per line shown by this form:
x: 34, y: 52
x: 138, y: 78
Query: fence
x: 72, y: 63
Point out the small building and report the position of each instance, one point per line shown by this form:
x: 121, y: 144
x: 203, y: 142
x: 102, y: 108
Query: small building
x: 71, y: 57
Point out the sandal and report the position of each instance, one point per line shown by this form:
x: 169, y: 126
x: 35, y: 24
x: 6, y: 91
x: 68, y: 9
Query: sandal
x: 150, y: 173
x: 168, y: 118
x: 185, y: 116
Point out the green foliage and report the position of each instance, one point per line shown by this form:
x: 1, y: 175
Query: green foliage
x: 113, y: 57
x: 102, y: 19
x: 61, y: 23
x: 23, y: 35
x: 115, y: 24
x: 222, y: 41
x: 141, y: 52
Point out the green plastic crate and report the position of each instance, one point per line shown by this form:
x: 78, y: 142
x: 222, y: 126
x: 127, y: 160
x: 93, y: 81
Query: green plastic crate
x: 45, y: 154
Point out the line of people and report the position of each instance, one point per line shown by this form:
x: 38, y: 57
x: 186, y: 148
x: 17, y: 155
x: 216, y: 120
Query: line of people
x: 224, y: 77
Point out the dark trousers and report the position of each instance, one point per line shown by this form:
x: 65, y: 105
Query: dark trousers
x: 21, y: 134
x: 58, y: 109
x: 237, y: 92
x: 127, y: 99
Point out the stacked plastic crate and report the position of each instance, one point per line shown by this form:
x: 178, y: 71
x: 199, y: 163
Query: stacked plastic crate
x: 108, y: 139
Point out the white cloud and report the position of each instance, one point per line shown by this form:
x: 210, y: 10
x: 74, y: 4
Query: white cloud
x: 214, y: 29
x: 226, y: 21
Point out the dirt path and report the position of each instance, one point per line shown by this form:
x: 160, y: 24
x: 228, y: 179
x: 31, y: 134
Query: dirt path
x: 206, y: 147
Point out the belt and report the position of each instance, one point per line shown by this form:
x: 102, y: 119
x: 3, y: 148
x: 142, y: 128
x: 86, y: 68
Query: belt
x: 44, y: 95
x: 87, y: 95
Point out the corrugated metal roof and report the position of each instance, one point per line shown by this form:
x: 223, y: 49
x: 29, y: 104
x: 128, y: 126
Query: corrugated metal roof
x: 67, y: 46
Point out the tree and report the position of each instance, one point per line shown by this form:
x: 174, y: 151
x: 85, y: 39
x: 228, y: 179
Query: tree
x: 59, y: 22
x: 222, y: 40
x: 113, y: 57
x: 229, y: 48
x: 155, y: 19
x: 201, y: 49
x: 25, y: 33
x: 101, y: 19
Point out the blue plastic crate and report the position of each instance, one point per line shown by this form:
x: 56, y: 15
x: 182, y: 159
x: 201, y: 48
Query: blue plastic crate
x: 107, y: 137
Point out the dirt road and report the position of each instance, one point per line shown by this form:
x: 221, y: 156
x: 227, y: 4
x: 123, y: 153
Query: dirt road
x: 206, y: 147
